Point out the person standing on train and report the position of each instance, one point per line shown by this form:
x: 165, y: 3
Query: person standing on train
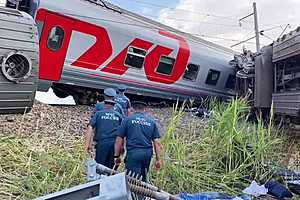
x: 102, y: 129
x: 109, y: 94
x: 141, y: 134
x: 122, y: 99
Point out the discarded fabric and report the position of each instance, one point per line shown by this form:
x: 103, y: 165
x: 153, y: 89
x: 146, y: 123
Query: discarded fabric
x: 294, y: 186
x: 256, y: 190
x: 212, y: 196
x: 296, y: 182
x: 199, y: 112
x: 278, y: 190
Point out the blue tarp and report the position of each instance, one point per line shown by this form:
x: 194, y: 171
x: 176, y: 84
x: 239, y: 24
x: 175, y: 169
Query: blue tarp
x: 212, y: 196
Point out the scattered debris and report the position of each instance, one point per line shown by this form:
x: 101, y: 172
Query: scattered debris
x: 294, y: 186
x: 256, y: 190
x: 278, y: 190
x: 199, y: 112
x: 212, y: 196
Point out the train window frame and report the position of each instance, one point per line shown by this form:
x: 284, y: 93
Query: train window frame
x: 59, y: 41
x: 227, y: 82
x: 157, y: 67
x: 137, y: 55
x: 209, y: 81
x: 197, y: 72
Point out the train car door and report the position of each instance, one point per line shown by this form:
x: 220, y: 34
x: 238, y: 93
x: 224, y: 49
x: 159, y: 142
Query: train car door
x: 54, y: 43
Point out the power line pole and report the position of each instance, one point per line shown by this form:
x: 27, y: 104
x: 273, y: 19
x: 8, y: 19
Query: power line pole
x: 256, y: 27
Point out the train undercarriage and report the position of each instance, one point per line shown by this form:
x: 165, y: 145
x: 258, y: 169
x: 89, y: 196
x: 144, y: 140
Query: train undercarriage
x: 90, y: 96
x: 81, y: 95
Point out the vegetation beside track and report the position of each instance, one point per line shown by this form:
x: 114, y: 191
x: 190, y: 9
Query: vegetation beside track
x: 223, y: 153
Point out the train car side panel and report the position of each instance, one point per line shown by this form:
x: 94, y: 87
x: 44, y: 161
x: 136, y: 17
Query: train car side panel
x: 18, y: 61
x: 106, y: 48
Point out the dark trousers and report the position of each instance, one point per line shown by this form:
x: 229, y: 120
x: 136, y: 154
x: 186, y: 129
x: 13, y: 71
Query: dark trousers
x: 138, y: 161
x: 105, y: 154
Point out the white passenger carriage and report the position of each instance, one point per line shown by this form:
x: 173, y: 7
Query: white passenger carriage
x: 87, y: 45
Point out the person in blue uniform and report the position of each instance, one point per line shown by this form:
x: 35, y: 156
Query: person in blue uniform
x: 141, y: 134
x: 103, y: 129
x: 109, y: 94
x: 122, y: 99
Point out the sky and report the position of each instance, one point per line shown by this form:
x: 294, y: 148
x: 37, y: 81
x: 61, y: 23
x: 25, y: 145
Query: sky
x: 218, y: 20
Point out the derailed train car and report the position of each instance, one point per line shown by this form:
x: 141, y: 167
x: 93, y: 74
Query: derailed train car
x: 271, y: 78
x: 19, y: 57
x: 286, y: 89
x: 87, y: 45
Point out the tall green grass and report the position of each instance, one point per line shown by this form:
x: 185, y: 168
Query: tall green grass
x: 224, y: 156
x: 35, y: 166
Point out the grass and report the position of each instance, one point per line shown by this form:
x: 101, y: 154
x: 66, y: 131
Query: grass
x: 31, y: 167
x: 224, y: 155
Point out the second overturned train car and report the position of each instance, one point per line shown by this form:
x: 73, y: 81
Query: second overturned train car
x: 271, y: 78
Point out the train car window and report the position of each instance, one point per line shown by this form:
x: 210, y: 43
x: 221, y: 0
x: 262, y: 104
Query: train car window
x: 165, y: 65
x: 212, y: 77
x: 230, y: 83
x: 55, y: 38
x: 191, y: 72
x: 135, y: 57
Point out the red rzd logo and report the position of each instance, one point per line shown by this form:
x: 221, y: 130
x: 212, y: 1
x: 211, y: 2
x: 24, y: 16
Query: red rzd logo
x: 52, y: 62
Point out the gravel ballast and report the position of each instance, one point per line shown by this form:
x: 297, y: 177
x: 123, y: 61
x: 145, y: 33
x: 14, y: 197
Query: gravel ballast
x: 51, y: 120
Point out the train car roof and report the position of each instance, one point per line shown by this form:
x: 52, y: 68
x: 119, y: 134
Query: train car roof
x: 10, y: 11
x: 16, y: 15
x: 155, y: 24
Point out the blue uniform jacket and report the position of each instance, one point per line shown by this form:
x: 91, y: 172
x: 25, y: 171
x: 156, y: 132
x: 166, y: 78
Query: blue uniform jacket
x: 124, y: 102
x: 117, y: 107
x: 139, y: 131
x: 106, y: 124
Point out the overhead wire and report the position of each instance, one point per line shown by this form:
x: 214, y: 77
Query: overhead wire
x: 179, y: 9
x: 262, y: 34
x: 198, y: 21
x: 274, y: 27
x: 221, y: 38
x: 199, y: 13
x: 228, y: 39
x: 282, y: 22
x: 232, y: 17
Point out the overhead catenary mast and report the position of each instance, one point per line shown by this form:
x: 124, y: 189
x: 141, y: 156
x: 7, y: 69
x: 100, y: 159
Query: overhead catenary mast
x: 257, y: 32
x: 256, y: 27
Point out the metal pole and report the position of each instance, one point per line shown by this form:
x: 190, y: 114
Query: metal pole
x: 256, y: 27
x: 287, y: 26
